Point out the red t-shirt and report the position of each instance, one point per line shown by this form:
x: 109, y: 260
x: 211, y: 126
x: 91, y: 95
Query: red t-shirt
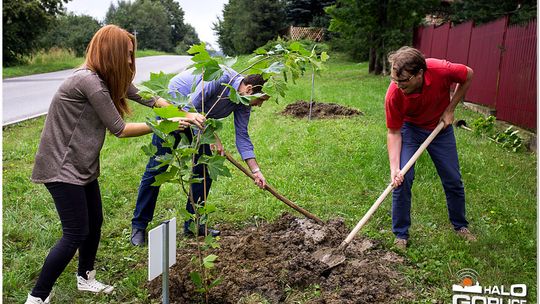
x: 424, y: 109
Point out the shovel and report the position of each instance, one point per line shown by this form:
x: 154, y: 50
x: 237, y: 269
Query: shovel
x: 333, y: 257
x: 274, y: 191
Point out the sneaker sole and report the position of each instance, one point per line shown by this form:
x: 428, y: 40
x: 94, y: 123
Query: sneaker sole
x: 106, y: 290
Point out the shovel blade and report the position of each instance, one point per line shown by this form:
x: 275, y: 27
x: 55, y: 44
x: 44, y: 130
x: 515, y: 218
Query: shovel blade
x: 330, y: 257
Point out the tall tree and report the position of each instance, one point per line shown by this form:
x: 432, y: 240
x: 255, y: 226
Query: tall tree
x: 308, y: 12
x: 24, y: 22
x: 71, y: 32
x: 482, y: 11
x: 146, y: 19
x: 369, y: 29
x: 189, y: 38
x: 158, y: 24
x: 175, y: 17
x: 241, y: 31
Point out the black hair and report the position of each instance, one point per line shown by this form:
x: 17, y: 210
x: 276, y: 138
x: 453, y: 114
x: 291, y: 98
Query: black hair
x: 256, y: 81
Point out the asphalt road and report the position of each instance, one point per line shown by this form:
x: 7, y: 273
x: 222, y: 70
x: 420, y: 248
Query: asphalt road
x: 30, y: 96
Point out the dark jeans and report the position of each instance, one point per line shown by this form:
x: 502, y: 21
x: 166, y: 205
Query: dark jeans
x: 80, y: 211
x: 444, y: 155
x: 148, y: 194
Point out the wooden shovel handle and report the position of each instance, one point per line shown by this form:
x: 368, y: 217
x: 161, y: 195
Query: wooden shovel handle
x: 390, y: 187
x: 273, y: 191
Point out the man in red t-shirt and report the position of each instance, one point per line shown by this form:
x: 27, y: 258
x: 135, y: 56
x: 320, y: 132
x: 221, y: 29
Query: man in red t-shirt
x: 417, y: 99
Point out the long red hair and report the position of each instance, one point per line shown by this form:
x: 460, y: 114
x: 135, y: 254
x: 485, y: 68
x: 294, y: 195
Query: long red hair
x: 107, y: 55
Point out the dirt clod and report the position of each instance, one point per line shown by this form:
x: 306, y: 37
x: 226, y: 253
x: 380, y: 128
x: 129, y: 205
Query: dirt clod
x: 274, y: 263
x: 300, y: 109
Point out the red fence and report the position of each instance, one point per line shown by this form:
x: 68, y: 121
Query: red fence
x: 459, y: 40
x: 484, y: 58
x: 516, y: 100
x: 503, y: 59
x: 439, y: 41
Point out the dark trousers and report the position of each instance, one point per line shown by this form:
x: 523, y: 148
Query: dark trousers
x: 81, y: 215
x: 444, y: 155
x: 148, y: 194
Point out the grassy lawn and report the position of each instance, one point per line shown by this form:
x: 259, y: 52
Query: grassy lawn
x: 56, y: 60
x: 332, y: 168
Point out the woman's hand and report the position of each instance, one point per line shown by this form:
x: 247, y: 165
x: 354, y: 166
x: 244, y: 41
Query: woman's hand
x: 196, y: 118
x: 183, y: 122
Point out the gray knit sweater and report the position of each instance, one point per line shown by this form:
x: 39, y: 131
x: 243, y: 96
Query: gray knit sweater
x: 80, y: 113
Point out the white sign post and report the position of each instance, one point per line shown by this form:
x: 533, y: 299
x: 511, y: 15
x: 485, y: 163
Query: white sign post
x: 162, y: 254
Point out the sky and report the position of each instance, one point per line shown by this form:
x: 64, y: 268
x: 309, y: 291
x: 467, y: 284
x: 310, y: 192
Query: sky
x: 201, y: 14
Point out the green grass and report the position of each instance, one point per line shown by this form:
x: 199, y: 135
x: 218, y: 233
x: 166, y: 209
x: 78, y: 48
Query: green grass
x: 56, y: 60
x: 332, y: 168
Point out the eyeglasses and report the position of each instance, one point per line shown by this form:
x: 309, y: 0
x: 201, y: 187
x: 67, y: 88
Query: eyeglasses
x: 402, y: 80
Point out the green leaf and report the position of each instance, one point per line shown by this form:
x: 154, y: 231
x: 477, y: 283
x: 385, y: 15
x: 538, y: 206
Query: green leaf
x: 197, y: 48
x: 274, y: 68
x: 256, y: 58
x: 215, y: 283
x: 295, y: 46
x: 145, y: 92
x: 158, y: 85
x: 201, y: 57
x: 235, y: 97
x: 213, y: 124
x: 149, y: 149
x: 208, y: 137
x: 179, y: 100
x: 188, y: 151
x: 215, y: 165
x: 208, y: 261
x: 167, y: 126
x: 260, y: 51
x: 212, y: 71
x: 164, y: 160
x: 324, y: 57
x: 210, y: 208
x: 186, y: 216
x: 196, y: 278
x: 164, y: 177
x: 230, y: 61
x: 194, y: 180
x: 169, y: 112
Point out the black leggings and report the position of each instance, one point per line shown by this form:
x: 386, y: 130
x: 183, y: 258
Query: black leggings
x: 80, y: 211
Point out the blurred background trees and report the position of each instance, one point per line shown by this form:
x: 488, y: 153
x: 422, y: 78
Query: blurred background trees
x: 366, y: 30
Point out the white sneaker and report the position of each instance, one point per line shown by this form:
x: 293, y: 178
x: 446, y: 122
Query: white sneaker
x: 92, y: 284
x: 36, y: 300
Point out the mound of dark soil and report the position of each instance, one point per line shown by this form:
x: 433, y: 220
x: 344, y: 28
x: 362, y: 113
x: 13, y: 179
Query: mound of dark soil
x: 269, y: 261
x: 300, y: 109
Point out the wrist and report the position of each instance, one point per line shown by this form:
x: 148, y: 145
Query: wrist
x: 256, y: 170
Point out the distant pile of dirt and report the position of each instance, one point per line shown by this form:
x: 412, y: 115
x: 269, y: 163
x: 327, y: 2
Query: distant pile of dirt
x: 270, y: 260
x: 300, y: 109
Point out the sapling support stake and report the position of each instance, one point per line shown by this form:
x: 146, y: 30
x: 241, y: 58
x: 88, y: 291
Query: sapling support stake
x: 165, y: 276
x: 312, y: 89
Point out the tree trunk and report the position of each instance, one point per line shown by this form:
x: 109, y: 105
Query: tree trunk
x: 382, y: 22
x: 378, y: 61
x: 372, y: 59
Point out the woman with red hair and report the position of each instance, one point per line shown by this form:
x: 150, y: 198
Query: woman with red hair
x: 89, y: 102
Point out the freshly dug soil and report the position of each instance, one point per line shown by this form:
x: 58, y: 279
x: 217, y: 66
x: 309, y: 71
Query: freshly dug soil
x: 274, y: 263
x: 300, y: 109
